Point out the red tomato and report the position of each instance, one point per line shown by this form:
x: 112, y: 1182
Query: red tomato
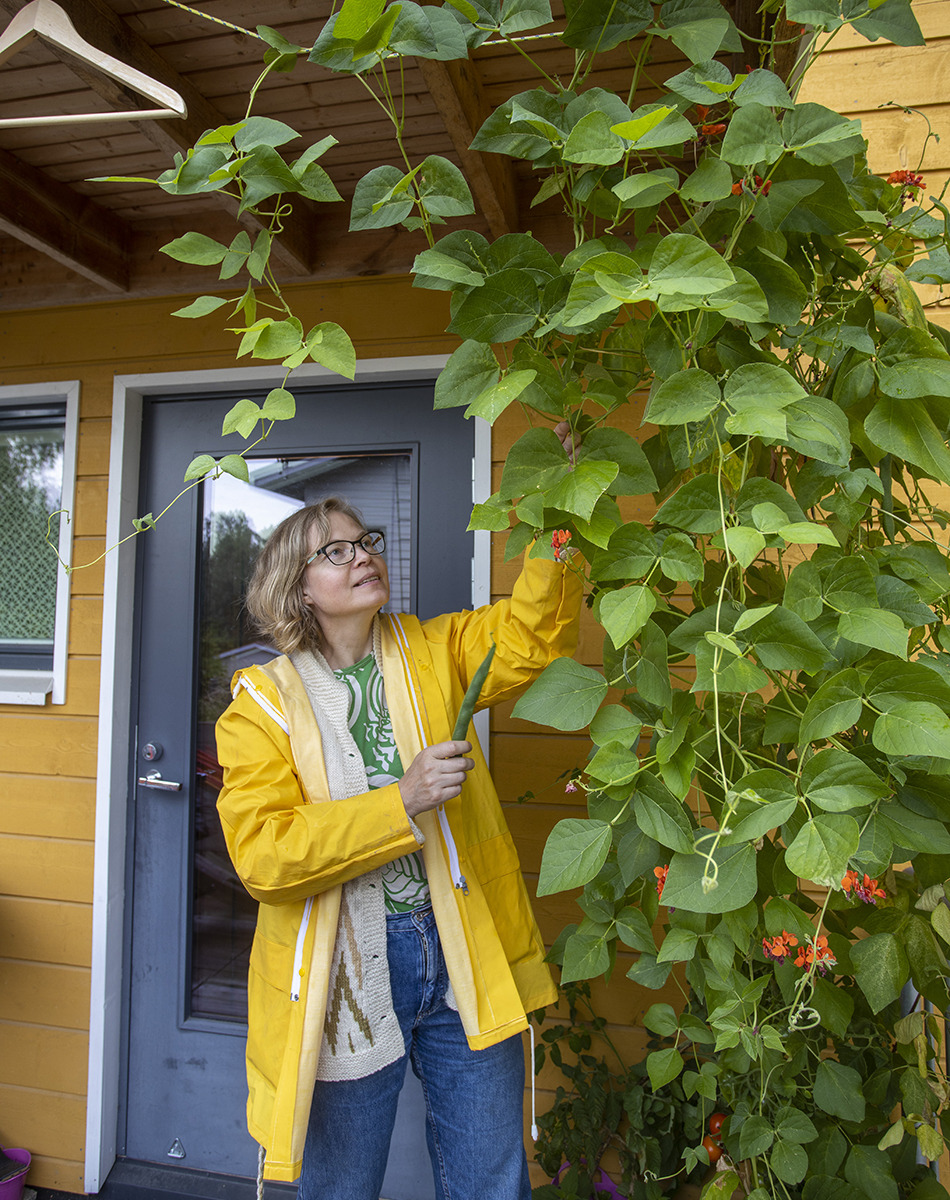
x: 715, y: 1123
x: 712, y: 1148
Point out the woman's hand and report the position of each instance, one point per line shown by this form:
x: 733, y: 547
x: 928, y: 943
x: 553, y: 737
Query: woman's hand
x: 435, y: 775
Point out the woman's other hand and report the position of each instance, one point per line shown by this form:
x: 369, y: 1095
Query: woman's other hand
x: 436, y: 775
x: 568, y: 439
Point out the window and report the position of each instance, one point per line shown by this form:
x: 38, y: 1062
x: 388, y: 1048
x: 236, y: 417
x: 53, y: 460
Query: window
x: 37, y: 472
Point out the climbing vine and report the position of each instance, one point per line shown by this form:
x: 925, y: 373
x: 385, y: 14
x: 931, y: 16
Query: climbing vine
x: 768, y: 788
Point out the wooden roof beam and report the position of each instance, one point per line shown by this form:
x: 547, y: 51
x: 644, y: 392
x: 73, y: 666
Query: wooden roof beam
x: 66, y: 226
x: 457, y: 92
x: 105, y: 29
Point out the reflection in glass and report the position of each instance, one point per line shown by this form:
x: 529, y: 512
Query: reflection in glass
x: 31, y: 480
x: 238, y: 518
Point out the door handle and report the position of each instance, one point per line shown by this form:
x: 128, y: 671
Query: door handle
x: 154, y: 780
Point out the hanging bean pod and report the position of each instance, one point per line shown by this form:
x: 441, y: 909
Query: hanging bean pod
x: 467, y: 710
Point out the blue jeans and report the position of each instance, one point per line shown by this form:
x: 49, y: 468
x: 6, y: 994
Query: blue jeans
x: 474, y: 1098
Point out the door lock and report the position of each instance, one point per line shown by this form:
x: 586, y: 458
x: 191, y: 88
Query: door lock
x: 154, y: 780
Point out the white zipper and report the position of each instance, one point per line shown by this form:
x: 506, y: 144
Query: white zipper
x: 535, y: 1133
x: 458, y: 878
x: 455, y: 868
x: 258, y: 696
x: 298, y: 949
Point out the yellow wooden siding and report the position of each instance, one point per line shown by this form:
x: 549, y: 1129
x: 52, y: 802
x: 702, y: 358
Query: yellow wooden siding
x: 57, y: 1056
x: 47, y: 761
x: 48, y: 755
x: 49, y: 994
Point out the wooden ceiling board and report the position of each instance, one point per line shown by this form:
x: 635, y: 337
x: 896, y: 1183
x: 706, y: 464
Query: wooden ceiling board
x: 314, y: 118
x: 84, y: 171
x: 165, y: 18
x: 44, y: 145
x: 355, y: 161
x: 143, y: 208
x: 40, y: 84
x: 217, y: 80
x: 503, y: 76
x: 224, y: 51
x: 214, y: 67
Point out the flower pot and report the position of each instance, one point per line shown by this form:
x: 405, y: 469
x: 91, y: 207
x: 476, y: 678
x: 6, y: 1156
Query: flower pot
x: 11, y: 1188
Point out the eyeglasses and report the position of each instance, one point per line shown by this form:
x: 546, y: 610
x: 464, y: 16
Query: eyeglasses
x: 342, y: 551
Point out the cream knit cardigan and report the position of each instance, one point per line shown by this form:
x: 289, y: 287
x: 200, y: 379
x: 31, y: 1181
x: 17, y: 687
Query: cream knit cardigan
x: 361, y: 1032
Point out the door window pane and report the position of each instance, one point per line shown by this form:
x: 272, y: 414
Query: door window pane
x: 31, y: 481
x: 238, y: 518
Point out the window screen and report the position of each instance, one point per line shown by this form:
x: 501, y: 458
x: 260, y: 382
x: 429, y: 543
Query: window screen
x: 31, y: 480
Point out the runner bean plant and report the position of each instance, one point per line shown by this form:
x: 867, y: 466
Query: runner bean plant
x: 767, y: 838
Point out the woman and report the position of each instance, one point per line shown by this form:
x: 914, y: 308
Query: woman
x: 394, y: 925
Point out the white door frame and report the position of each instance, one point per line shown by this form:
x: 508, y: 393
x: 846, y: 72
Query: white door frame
x: 115, y: 693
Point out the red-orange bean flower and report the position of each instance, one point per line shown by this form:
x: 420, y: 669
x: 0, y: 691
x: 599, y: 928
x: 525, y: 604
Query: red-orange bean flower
x: 906, y: 178
x: 779, y: 948
x: 816, y: 951
x: 560, y: 539
x: 866, y: 889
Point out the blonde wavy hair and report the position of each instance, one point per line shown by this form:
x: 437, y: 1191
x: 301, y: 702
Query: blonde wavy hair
x: 275, y: 592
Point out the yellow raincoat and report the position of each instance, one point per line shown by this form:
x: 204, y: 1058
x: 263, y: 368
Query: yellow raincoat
x: 293, y: 846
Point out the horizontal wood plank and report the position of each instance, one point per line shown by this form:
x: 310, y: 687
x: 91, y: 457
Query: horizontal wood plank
x: 95, y: 397
x: 94, y: 438
x: 47, y: 744
x: 48, y: 868
x: 82, y: 687
x: 90, y: 512
x: 55, y: 1060
x: 531, y: 823
x: 59, y: 1174
x: 88, y: 566
x: 375, y: 312
x: 523, y: 763
x: 898, y: 137
x: 46, y: 1123
x: 45, y: 931
x: 914, y: 74
x: 44, y: 993
x: 39, y: 804
x: 85, y: 625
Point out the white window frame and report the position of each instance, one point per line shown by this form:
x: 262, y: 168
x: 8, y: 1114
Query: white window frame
x: 32, y: 687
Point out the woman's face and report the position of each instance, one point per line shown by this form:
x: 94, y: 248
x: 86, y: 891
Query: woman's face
x: 358, y: 587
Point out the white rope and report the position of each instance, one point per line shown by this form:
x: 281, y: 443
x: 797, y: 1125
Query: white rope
x: 261, y: 1154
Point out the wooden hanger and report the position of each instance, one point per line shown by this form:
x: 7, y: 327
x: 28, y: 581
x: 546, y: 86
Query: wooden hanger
x: 45, y: 19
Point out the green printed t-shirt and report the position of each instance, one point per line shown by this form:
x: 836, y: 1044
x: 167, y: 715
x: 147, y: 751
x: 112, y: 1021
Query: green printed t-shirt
x: 404, y: 879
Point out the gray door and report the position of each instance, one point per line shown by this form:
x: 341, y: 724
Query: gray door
x: 409, y: 469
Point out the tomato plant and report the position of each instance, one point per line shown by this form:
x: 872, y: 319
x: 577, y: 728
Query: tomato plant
x: 712, y: 1148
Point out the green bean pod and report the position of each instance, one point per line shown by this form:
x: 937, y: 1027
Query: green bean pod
x: 467, y: 711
